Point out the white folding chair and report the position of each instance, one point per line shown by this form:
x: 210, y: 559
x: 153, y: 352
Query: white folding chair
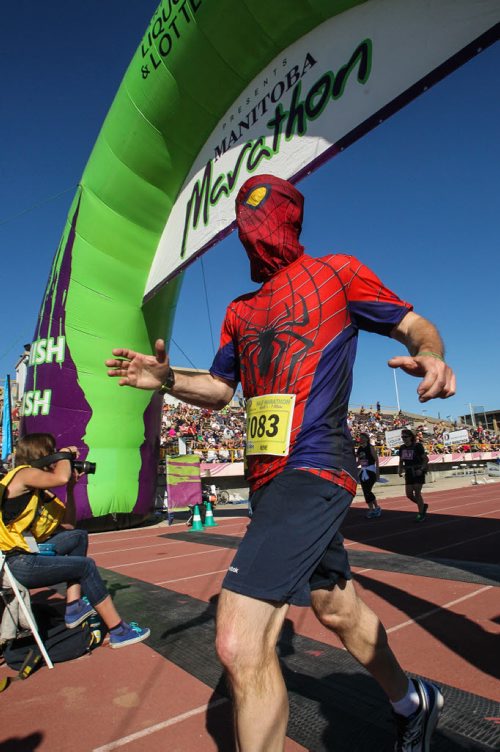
x: 13, y: 585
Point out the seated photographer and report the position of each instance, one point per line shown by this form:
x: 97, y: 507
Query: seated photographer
x: 32, y: 515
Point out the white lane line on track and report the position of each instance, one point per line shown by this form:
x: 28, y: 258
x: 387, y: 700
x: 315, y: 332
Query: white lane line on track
x: 160, y: 726
x: 164, y: 559
x: 139, y: 548
x: 192, y: 577
x: 472, y: 493
x: 129, y: 539
x: 127, y: 531
x: 95, y: 536
x: 154, y: 526
x: 438, y: 609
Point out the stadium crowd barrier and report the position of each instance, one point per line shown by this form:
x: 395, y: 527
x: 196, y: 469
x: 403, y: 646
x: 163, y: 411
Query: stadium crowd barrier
x: 435, y: 451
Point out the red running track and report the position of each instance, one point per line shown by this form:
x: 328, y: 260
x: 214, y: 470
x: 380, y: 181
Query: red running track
x: 136, y: 699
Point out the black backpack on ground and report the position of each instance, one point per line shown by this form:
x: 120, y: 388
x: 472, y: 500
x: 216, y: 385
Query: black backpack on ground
x: 61, y: 643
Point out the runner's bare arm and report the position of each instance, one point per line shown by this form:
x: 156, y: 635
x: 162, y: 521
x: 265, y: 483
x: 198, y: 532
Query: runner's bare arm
x: 202, y: 390
x: 151, y: 371
x: 426, y: 357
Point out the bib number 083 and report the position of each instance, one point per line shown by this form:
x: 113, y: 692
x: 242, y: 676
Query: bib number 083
x: 265, y: 425
x: 269, y: 423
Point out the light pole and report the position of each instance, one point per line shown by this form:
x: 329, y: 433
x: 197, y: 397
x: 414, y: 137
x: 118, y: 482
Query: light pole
x: 472, y: 416
x: 397, y: 391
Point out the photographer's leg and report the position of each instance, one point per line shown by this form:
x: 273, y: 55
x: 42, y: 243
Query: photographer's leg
x: 41, y: 571
x: 71, y: 543
x: 121, y: 633
x: 108, y: 613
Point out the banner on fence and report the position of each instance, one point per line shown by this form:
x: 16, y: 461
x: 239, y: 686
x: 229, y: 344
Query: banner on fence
x: 183, y: 481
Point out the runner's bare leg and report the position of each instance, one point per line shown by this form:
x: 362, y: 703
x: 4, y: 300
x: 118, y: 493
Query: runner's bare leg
x: 342, y: 610
x: 247, y: 632
x: 417, y: 495
x: 414, y: 493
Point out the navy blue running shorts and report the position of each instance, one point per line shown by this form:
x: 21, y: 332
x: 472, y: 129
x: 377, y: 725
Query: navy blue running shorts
x: 292, y: 544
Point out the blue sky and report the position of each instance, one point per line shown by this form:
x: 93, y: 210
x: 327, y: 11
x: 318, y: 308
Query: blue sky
x: 417, y: 199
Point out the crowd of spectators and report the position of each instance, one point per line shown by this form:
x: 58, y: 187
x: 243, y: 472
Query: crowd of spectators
x: 216, y: 436
x: 220, y: 436
x: 430, y: 433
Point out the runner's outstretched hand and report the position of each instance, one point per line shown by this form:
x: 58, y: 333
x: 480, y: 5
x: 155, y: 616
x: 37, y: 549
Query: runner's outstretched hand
x: 438, y: 378
x: 138, y: 370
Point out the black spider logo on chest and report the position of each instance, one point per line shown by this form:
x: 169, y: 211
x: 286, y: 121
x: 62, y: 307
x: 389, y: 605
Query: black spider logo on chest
x: 264, y: 349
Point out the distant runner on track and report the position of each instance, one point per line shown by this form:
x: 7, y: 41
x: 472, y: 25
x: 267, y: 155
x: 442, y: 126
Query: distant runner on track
x: 413, y: 461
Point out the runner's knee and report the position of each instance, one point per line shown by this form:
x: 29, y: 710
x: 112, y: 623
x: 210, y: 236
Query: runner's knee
x: 244, y: 641
x: 338, y: 621
x: 340, y: 609
x: 237, y: 652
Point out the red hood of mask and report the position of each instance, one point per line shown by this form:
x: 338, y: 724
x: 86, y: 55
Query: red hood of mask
x: 269, y: 214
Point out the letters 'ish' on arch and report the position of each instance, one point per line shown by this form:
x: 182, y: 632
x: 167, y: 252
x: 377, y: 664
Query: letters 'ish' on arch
x: 215, y: 92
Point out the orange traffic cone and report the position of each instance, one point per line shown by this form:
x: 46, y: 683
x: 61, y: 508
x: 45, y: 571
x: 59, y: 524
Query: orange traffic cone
x: 197, y: 523
x: 209, y: 517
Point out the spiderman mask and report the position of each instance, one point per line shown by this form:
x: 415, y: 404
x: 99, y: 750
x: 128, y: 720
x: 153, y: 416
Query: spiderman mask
x: 269, y: 214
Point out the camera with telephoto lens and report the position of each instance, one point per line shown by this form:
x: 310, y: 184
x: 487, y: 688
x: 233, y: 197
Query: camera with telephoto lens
x: 83, y: 466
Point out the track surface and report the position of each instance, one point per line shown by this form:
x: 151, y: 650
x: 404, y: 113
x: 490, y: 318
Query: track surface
x: 434, y: 585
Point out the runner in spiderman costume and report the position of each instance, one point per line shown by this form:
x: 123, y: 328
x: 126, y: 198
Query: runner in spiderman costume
x: 292, y: 343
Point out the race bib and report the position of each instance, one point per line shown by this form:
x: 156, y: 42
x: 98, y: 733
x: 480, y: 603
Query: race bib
x: 269, y: 423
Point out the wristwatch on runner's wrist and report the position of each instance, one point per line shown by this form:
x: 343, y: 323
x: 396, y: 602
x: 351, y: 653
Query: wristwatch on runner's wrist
x: 169, y: 382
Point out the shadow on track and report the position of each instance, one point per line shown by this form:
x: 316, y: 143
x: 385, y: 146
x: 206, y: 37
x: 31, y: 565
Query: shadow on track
x: 464, y: 637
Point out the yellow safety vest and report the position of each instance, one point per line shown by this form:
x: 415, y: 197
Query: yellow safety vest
x: 40, y: 517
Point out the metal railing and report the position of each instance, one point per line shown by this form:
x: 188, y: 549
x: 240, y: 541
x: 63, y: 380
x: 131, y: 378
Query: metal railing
x: 237, y: 454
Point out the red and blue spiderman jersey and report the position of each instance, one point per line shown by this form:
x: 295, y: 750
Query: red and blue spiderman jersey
x: 297, y: 334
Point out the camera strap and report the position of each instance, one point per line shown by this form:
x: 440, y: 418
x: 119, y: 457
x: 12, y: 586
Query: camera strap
x: 49, y: 459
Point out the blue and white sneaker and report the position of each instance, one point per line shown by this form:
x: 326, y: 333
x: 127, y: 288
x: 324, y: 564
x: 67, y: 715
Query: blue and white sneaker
x: 78, y: 612
x: 127, y: 634
x: 414, y: 733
